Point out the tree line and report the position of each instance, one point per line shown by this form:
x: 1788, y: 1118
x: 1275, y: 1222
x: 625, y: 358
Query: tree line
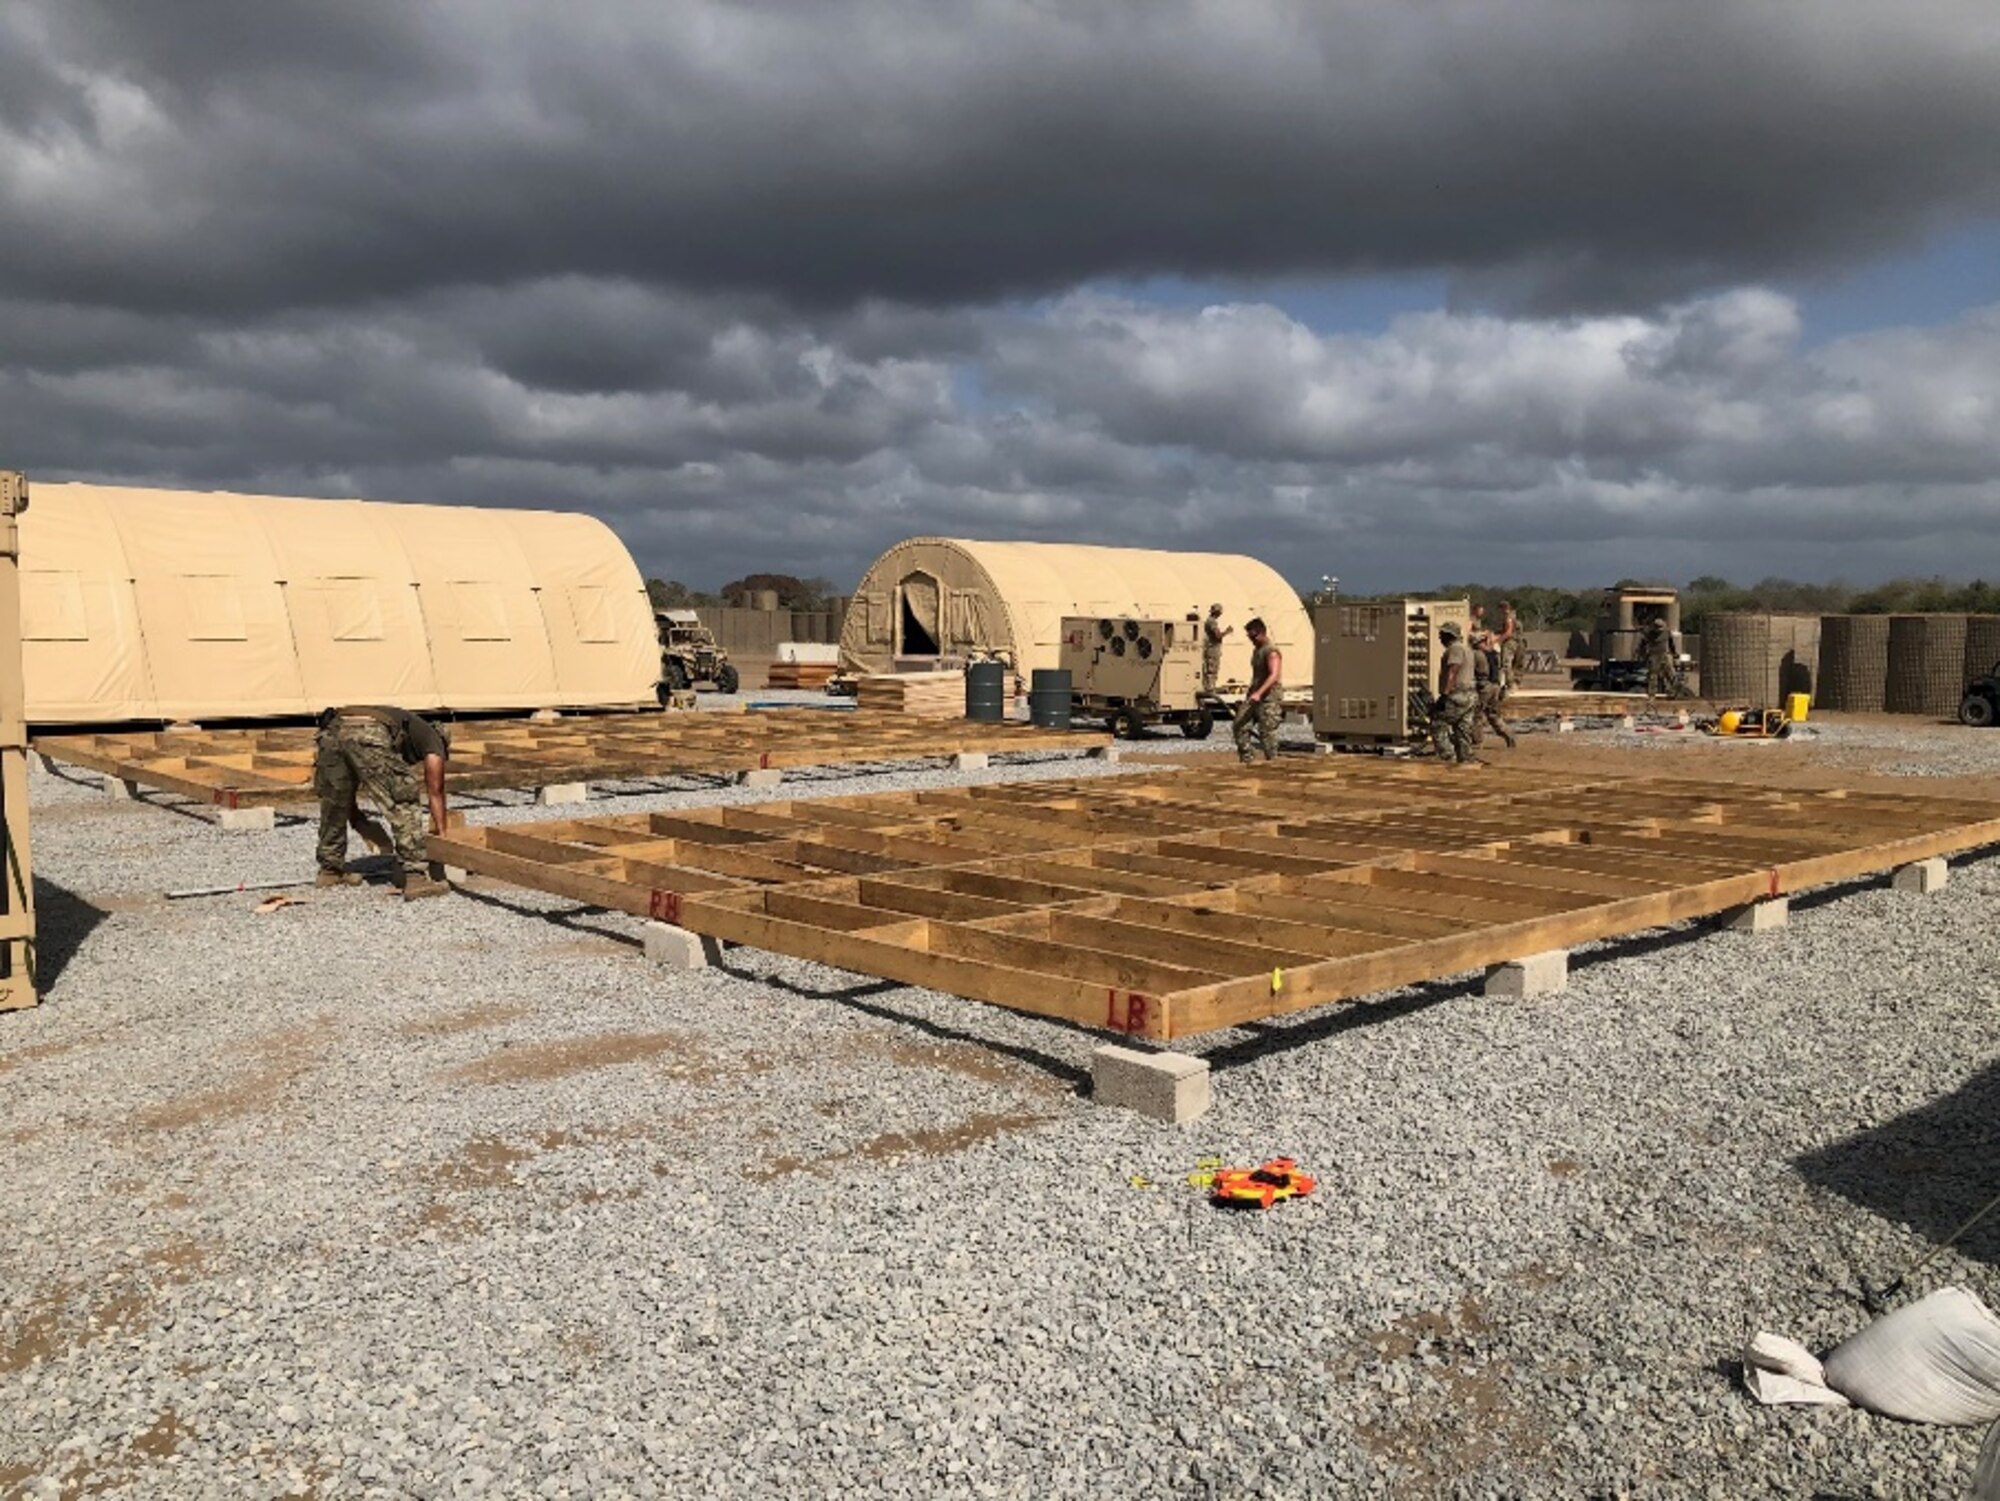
x: 793, y: 593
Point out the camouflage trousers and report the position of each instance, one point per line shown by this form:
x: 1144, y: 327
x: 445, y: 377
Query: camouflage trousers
x: 359, y: 755
x: 1660, y: 677
x: 1211, y: 668
x: 1451, y: 725
x: 1260, y: 721
x: 1487, y: 716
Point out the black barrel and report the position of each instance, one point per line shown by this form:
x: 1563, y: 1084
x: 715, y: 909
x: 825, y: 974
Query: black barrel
x: 1048, y: 698
x: 986, y: 691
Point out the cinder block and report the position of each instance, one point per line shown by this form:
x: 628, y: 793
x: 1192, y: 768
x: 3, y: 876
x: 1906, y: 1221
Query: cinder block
x: 1538, y: 974
x: 545, y: 716
x: 442, y: 872
x: 970, y: 761
x: 1627, y: 722
x: 1111, y: 753
x: 1922, y: 876
x: 562, y: 792
x: 119, y: 790
x: 1565, y: 726
x: 1766, y: 916
x: 1168, y: 1087
x: 677, y: 948
x: 766, y: 776
x: 248, y: 820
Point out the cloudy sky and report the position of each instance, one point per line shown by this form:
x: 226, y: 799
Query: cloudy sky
x: 1551, y: 290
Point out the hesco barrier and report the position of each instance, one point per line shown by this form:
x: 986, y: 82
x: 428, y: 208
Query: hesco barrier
x: 1853, y: 662
x: 1982, y: 646
x: 1759, y: 659
x: 1926, y: 664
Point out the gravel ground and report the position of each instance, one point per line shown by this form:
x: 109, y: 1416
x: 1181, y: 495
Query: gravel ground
x: 464, y: 1198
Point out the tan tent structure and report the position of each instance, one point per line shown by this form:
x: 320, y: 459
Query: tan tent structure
x: 165, y: 604
x: 941, y: 596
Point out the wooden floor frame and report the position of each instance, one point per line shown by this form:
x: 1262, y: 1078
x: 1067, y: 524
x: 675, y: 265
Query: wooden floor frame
x: 1174, y: 904
x: 252, y: 767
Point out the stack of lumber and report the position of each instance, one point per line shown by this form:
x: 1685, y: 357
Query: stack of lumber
x: 933, y: 695
x: 799, y: 674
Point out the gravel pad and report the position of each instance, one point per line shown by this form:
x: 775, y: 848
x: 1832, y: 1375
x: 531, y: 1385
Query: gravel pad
x: 463, y: 1197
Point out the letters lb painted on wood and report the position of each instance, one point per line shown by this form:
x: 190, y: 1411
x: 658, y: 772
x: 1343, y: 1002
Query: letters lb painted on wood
x: 1127, y: 1012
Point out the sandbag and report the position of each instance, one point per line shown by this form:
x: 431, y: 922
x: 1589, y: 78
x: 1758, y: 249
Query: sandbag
x: 1986, y: 1473
x: 1780, y: 1371
x: 1936, y: 1361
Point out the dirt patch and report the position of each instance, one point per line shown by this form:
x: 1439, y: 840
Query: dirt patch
x: 280, y: 1057
x: 1458, y: 1415
x: 958, y: 1058
x: 35, y: 1054
x: 68, y: 1316
x: 557, y: 1060
x: 942, y: 1141
x: 1564, y: 1167
x: 492, y: 1164
x: 473, y: 1019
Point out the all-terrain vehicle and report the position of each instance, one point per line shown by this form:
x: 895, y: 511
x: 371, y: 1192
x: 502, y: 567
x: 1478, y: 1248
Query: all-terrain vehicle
x: 689, y: 655
x: 1981, y: 704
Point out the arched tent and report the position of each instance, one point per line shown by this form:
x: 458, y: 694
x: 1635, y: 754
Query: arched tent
x: 942, y: 596
x: 162, y: 604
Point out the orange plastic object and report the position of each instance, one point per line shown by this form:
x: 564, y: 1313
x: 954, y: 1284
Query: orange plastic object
x: 1277, y: 1179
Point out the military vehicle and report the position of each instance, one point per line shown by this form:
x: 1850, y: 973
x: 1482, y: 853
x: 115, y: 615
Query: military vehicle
x: 689, y: 655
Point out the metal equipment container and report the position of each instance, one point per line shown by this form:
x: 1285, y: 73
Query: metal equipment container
x: 17, y: 882
x: 1371, y: 660
x: 1136, y: 673
x: 986, y: 692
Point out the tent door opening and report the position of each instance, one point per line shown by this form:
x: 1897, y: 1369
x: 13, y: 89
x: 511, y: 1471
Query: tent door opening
x: 918, y: 624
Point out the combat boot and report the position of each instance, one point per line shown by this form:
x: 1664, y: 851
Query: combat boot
x: 337, y: 878
x: 417, y: 885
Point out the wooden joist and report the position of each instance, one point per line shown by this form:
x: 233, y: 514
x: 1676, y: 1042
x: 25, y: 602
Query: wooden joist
x: 1182, y: 902
x: 246, y: 768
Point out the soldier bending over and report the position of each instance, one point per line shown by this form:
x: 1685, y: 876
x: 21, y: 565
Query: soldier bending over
x: 379, y: 750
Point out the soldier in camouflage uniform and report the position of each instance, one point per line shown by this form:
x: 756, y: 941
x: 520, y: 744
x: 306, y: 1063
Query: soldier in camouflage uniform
x: 1490, y: 688
x: 1212, y: 633
x: 1263, y: 711
x: 1659, y: 660
x: 1457, y: 697
x: 1513, y: 648
x: 380, y: 751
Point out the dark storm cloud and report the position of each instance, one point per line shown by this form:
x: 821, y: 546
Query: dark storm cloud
x: 1448, y: 445
x: 772, y: 285
x: 1556, y: 152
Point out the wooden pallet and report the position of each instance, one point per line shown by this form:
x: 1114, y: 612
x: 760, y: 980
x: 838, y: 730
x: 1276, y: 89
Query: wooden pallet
x: 248, y: 768
x: 1531, y: 703
x: 800, y: 674
x: 1175, y: 904
x: 935, y: 695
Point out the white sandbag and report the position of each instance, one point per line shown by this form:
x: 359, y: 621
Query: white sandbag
x: 1936, y: 1361
x: 1986, y: 1473
x: 1782, y: 1371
